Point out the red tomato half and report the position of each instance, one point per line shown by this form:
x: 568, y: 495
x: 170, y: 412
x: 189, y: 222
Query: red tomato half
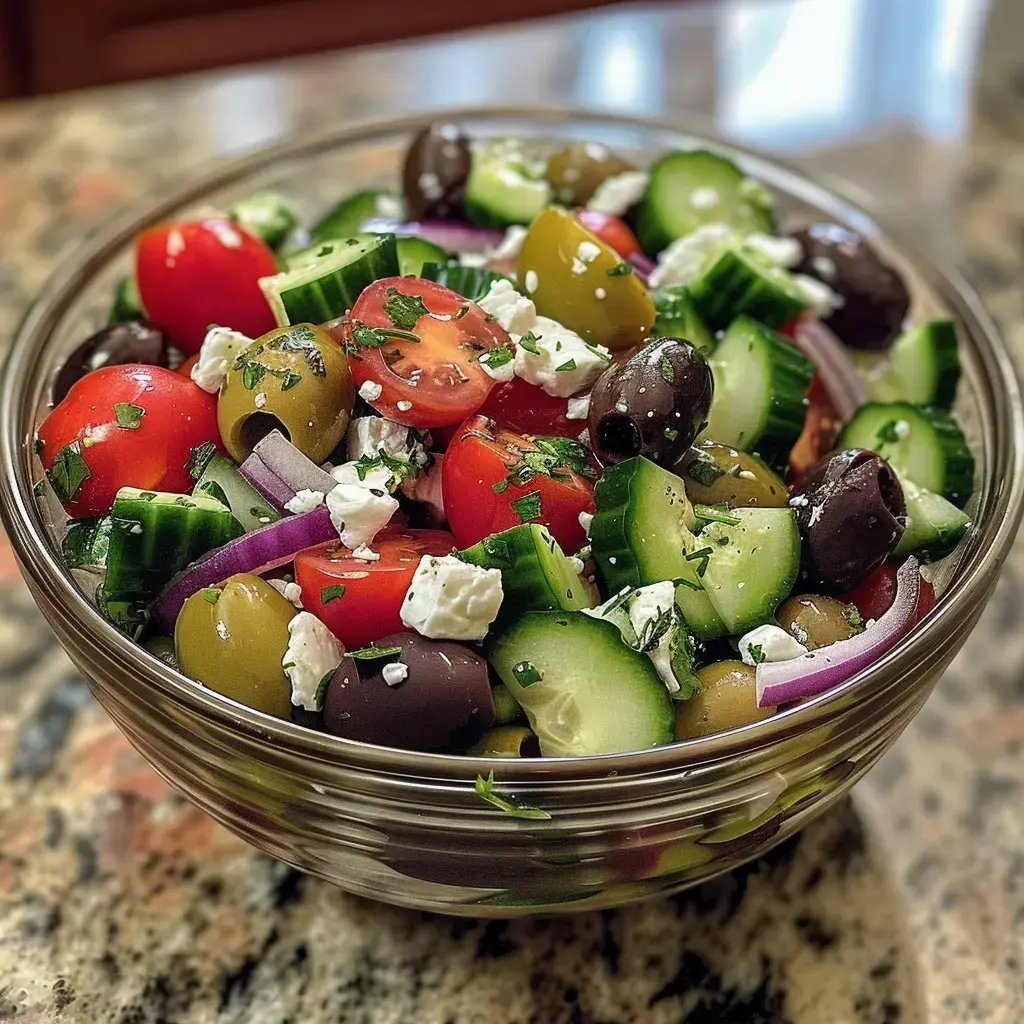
x: 874, y: 597
x: 128, y: 426
x: 373, y: 591
x: 195, y: 273
x: 487, y: 486
x: 821, y: 428
x: 521, y: 406
x: 613, y: 231
x: 437, y: 379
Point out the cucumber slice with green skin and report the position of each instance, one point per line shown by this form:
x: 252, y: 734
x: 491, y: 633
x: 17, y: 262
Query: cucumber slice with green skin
x: 348, y: 216
x: 934, y: 526
x: 535, y: 573
x: 221, y: 481
x: 678, y: 318
x: 127, y: 305
x: 737, y: 283
x: 472, y: 283
x: 752, y: 564
x: 267, y: 215
x: 504, y: 188
x: 641, y: 534
x: 688, y: 189
x: 921, y: 443
x: 324, y: 281
x: 414, y: 252
x: 583, y: 690
x: 923, y: 366
x: 154, y: 535
x: 760, y: 383
x: 86, y: 543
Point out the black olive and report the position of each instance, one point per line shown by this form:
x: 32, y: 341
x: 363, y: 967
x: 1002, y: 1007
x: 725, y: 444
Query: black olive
x: 435, y: 172
x: 874, y: 294
x: 134, y: 341
x: 443, y: 702
x: 850, y: 509
x: 654, y: 404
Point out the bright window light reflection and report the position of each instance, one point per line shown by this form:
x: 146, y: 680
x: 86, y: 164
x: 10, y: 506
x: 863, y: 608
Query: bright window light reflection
x: 620, y: 63
x: 245, y: 111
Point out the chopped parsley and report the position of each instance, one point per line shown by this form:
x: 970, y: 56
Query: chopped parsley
x: 461, y: 312
x: 485, y: 790
x: 529, y: 342
x: 854, y: 617
x: 757, y: 653
x: 404, y: 310
x: 526, y: 673
x: 211, y: 595
x: 372, y: 653
x: 500, y: 355
x: 704, y: 472
x: 302, y: 339
x: 527, y: 507
x: 667, y: 370
x: 714, y: 514
x: 500, y: 486
x: 654, y: 630
x: 365, y: 336
x: 69, y: 471
x: 321, y: 689
x: 701, y: 556
x: 128, y: 416
x: 252, y: 373
x: 621, y: 269
x: 289, y: 379
x: 569, y: 364
x: 332, y: 593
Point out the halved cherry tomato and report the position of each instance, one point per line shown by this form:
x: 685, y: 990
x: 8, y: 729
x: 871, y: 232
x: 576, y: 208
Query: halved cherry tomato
x: 523, y: 407
x: 123, y: 426
x: 195, y: 273
x: 489, y: 484
x: 185, y: 369
x: 360, y: 601
x: 437, y: 379
x: 821, y: 428
x: 874, y: 597
x: 613, y: 231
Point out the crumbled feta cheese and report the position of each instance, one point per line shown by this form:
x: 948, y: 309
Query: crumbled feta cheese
x: 557, y: 346
x: 586, y: 518
x: 378, y: 478
x: 578, y: 408
x: 901, y: 428
x: 312, y: 655
x: 404, y: 405
x: 704, y: 198
x: 390, y: 207
x: 578, y: 565
x: 291, y: 592
x: 508, y: 248
x: 587, y: 252
x: 617, y: 194
x: 746, y: 474
x: 260, y: 400
x: 769, y: 643
x: 600, y: 293
x: 645, y: 606
x: 395, y: 673
x: 370, y: 391
x: 358, y: 513
x: 578, y: 266
x: 473, y: 259
x: 304, y: 501
x: 821, y: 299
x: 220, y: 347
x: 449, y: 599
x: 531, y: 281
x: 683, y: 261
x: 365, y: 554
x: 502, y: 373
x: 368, y: 435
x: 781, y: 252
x: 515, y: 312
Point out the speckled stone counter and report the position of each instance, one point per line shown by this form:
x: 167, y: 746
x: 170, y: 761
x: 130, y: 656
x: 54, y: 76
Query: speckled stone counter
x: 121, y: 903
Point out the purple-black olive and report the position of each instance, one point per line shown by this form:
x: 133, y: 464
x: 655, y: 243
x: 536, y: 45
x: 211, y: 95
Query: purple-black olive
x: 654, y: 404
x: 436, y: 170
x: 134, y: 341
x: 850, y: 509
x: 438, y: 699
x: 874, y: 294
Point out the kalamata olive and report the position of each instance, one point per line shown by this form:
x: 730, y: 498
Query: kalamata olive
x: 435, y: 172
x: 716, y: 472
x: 134, y: 341
x: 437, y: 696
x: 849, y: 506
x: 654, y: 404
x: 817, y: 621
x: 874, y: 294
x: 727, y: 698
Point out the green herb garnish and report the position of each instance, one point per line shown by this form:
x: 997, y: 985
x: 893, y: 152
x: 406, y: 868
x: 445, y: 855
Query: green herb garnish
x: 39, y: 489
x: 715, y: 514
x: 500, y: 486
x: 302, y: 339
x: 667, y: 369
x: 654, y: 630
x: 704, y: 472
x: 701, y: 556
x: 500, y: 355
x: 527, y: 507
x: 211, y: 595
x: 69, y: 471
x: 128, y: 416
x: 757, y: 653
x: 529, y: 342
x: 620, y: 270
x: 569, y: 364
x: 371, y: 653
x: 200, y: 458
x: 404, y: 310
x: 252, y: 374
x: 485, y: 790
x: 320, y: 694
x: 526, y: 673
x: 332, y: 593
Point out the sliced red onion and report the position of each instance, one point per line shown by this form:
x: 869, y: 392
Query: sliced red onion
x: 838, y: 373
x: 454, y: 235
x: 278, y: 470
x: 779, y: 682
x: 642, y: 265
x: 257, y: 552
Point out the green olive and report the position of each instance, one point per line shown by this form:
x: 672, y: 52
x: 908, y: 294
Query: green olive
x: 715, y: 472
x: 233, y: 638
x: 817, y: 621
x: 574, y: 278
x: 726, y: 699
x: 506, y: 741
x: 576, y: 170
x: 294, y: 379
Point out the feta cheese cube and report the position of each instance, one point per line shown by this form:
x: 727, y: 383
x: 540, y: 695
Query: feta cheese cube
x: 395, y: 673
x: 368, y: 435
x: 769, y: 643
x: 618, y: 194
x: 563, y: 362
x: 370, y: 391
x: 291, y: 592
x: 449, y: 599
x: 683, y: 261
x: 219, y: 349
x: 515, y: 312
x: 578, y: 408
x: 304, y: 501
x: 312, y: 655
x: 377, y: 478
x: 780, y: 252
x: 358, y: 513
x: 647, y: 606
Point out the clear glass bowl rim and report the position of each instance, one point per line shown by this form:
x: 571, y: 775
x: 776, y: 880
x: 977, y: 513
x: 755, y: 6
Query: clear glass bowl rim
x: 1001, y: 498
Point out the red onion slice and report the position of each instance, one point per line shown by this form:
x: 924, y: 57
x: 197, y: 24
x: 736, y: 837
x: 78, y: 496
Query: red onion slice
x: 779, y: 682
x: 838, y: 373
x: 454, y: 235
x: 642, y: 265
x: 264, y: 549
x: 278, y: 470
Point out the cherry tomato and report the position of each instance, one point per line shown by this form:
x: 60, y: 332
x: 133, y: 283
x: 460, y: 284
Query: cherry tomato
x: 437, y: 379
x: 185, y: 369
x: 874, y: 597
x: 488, y: 484
x: 360, y: 601
x: 195, y: 273
x: 613, y: 231
x: 123, y: 426
x: 821, y: 428
x: 524, y: 408
x: 789, y: 327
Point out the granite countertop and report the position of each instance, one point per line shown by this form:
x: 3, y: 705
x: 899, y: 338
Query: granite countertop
x: 120, y: 902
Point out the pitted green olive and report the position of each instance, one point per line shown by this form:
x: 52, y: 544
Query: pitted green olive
x: 715, y: 472
x: 506, y: 741
x: 817, y: 621
x: 727, y: 698
x: 232, y: 638
x: 576, y: 170
x: 293, y: 379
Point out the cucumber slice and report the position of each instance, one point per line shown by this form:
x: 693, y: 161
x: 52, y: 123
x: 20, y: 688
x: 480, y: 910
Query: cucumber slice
x: 688, y: 189
x: 127, y: 305
x: 760, y: 383
x: 923, y: 366
x: 921, y: 443
x: 677, y: 317
x: 267, y: 215
x: 752, y: 563
x: 86, y: 543
x: 583, y: 690
x: 738, y: 283
x: 324, y: 281
x: 640, y: 534
x: 934, y: 525
x: 347, y: 217
x: 414, y: 252
x: 535, y: 574
x: 471, y: 282
x: 504, y: 188
x: 221, y: 481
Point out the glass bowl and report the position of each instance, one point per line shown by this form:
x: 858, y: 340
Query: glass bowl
x: 408, y: 828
